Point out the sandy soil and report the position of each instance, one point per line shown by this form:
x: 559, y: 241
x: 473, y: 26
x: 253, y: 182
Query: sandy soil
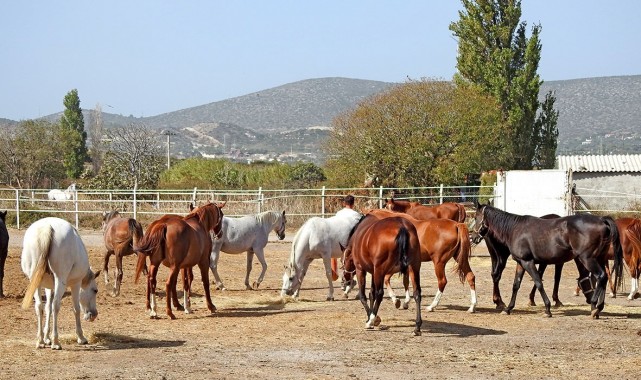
x: 255, y: 334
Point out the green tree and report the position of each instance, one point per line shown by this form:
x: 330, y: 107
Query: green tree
x: 420, y: 133
x: 74, y: 137
x: 495, y: 54
x: 25, y: 166
x: 133, y: 159
x: 306, y: 175
x: 546, y: 125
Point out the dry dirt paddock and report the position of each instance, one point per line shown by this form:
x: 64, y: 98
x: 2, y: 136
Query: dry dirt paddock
x: 255, y: 334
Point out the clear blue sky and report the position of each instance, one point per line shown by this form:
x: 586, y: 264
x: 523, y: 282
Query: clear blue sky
x: 143, y: 58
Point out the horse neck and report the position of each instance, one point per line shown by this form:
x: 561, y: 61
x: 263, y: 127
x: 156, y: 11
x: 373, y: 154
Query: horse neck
x: 500, y: 224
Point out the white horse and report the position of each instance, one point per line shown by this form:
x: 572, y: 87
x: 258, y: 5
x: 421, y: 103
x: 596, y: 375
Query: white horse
x: 54, y: 257
x: 318, y: 238
x: 59, y: 195
x: 247, y: 234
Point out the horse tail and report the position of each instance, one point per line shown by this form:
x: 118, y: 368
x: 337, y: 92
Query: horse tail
x: 633, y: 232
x: 462, y: 255
x: 151, y: 242
x: 136, y: 231
x: 462, y: 215
x: 44, y: 237
x: 402, y: 246
x: 618, y: 251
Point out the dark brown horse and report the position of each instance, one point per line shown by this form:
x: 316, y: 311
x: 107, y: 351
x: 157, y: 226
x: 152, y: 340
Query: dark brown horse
x: 531, y: 240
x: 4, y: 247
x: 179, y: 243
x: 382, y: 247
x: 447, y: 210
x: 120, y: 236
x: 440, y: 241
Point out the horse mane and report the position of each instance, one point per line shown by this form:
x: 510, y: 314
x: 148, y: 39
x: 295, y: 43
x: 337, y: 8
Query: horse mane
x: 351, y: 232
x: 501, y: 223
x: 270, y: 216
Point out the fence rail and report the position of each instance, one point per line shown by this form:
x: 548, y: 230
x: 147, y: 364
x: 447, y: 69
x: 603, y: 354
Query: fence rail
x: 85, y: 207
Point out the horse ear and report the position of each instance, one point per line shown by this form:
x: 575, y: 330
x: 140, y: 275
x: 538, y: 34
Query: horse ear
x: 191, y: 206
x: 283, y: 212
x: 221, y: 205
x: 342, y: 247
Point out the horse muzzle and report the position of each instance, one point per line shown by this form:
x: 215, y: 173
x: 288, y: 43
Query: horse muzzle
x: 281, y: 236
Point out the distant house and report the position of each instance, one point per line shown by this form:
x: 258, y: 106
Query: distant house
x: 605, y: 182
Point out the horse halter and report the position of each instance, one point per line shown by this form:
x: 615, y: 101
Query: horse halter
x: 482, y: 227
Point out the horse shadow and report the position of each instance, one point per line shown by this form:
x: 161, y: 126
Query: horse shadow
x: 261, y: 311
x: 108, y: 341
x: 458, y: 330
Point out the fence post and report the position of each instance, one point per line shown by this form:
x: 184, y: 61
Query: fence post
x: 323, y: 201
x: 18, y: 208
x: 75, y: 201
x: 380, y: 196
x: 441, y: 193
x: 135, y: 209
x: 193, y: 196
x: 260, y: 199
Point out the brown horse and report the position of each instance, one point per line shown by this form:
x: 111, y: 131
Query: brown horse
x: 440, y: 240
x: 120, y: 236
x: 179, y: 243
x: 447, y: 210
x: 382, y: 247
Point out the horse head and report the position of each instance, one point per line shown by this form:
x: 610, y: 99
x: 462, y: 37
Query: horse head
x: 88, y: 292
x: 107, y: 216
x: 279, y: 226
x: 290, y: 280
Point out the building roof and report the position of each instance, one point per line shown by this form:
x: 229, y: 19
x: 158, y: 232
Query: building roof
x: 600, y: 163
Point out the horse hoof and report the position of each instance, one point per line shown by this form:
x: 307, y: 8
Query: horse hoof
x: 406, y: 305
x: 346, y: 296
x: 531, y: 303
x: 505, y: 312
x: 417, y: 333
x: 549, y: 315
x: 558, y: 304
x: 255, y: 285
x: 429, y: 308
x: 329, y: 299
x: 595, y: 314
x: 56, y: 347
x: 82, y: 341
x: 471, y: 310
x: 171, y: 316
x: 397, y: 303
x: 612, y: 295
x: 377, y: 321
x: 180, y: 308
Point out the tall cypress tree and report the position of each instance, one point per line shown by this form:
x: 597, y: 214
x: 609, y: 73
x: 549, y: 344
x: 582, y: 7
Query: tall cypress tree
x: 74, y: 136
x: 495, y: 55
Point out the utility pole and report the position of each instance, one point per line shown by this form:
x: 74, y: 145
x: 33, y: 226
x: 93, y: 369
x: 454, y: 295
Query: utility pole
x: 168, y: 133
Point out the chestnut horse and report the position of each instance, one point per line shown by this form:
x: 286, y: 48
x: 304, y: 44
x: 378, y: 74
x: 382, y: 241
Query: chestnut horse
x: 531, y: 240
x: 440, y: 240
x: 120, y: 235
x: 382, y: 247
x: 179, y: 243
x: 447, y: 210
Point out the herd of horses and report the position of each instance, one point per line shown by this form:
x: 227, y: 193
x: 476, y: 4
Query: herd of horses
x: 378, y: 243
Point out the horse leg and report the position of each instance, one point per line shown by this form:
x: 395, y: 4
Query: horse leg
x: 119, y: 275
x: 75, y: 300
x: 439, y: 270
x: 378, y: 291
x: 498, y: 265
x: 48, y: 315
x: 186, y: 273
x: 360, y: 276
x: 327, y: 262
x: 260, y: 255
x: 186, y: 289
x: 406, y: 285
x: 415, y: 277
x: 39, y: 311
x: 541, y: 271
x: 518, y: 276
x: 558, y: 269
x: 59, y: 290
x: 170, y: 289
x: 151, y: 290
x: 213, y: 265
x: 610, y: 283
x: 634, y: 287
x: 204, y: 274
x: 105, y: 266
x: 530, y: 267
x: 598, y: 297
x: 390, y: 291
x: 250, y: 262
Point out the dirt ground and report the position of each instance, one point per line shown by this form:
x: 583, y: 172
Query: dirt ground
x: 255, y: 334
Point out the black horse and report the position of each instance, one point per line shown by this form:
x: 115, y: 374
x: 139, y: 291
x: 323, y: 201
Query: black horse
x: 531, y: 240
x: 4, y: 246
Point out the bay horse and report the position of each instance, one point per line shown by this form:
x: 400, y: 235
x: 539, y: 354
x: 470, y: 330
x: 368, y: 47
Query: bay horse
x: 54, y: 257
x: 531, y: 240
x: 249, y: 234
x: 179, y: 243
x: 440, y: 240
x: 317, y: 238
x: 120, y: 235
x: 4, y: 248
x: 382, y: 247
x: 447, y: 210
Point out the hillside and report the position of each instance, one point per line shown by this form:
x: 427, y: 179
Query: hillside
x: 597, y: 115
